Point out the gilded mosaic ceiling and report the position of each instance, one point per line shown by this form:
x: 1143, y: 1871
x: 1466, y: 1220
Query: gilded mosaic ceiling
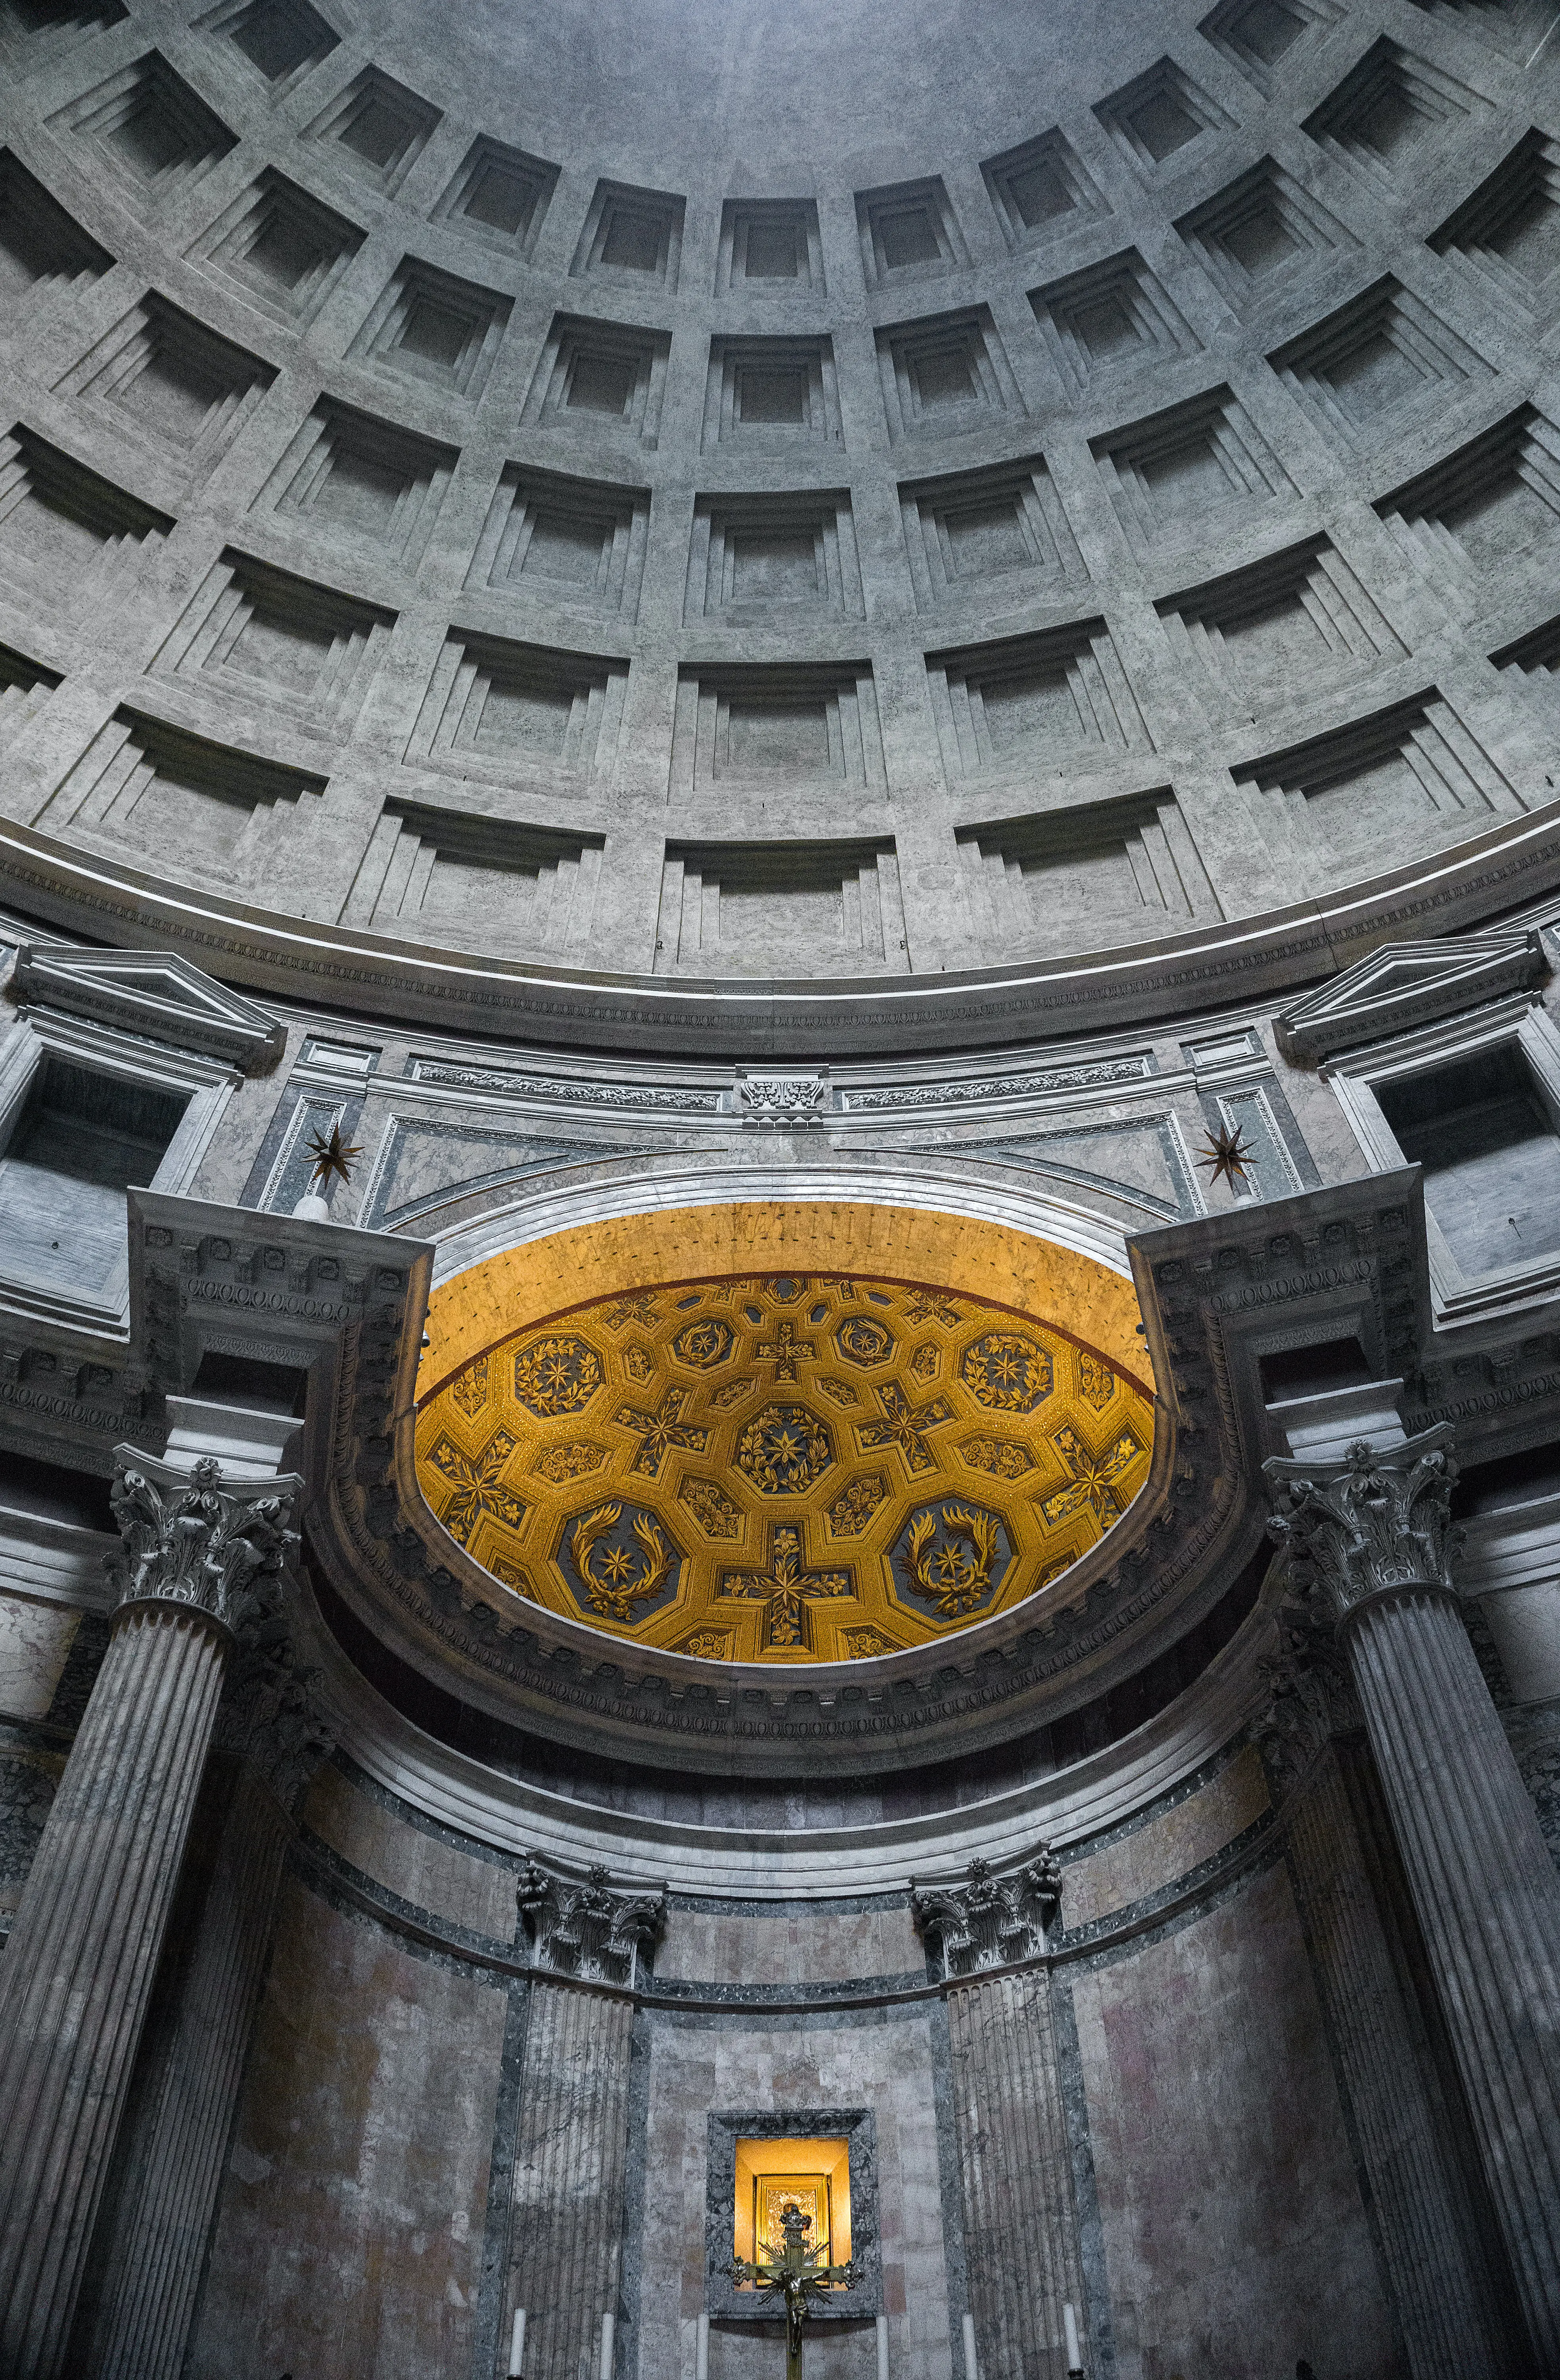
x: 782, y: 1468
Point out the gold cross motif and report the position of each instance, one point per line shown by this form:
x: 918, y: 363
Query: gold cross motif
x: 904, y: 1425
x: 1093, y: 1478
x: 786, y: 1589
x: 659, y: 1431
x: 785, y: 1351
x: 474, y: 1486
x: 636, y: 1306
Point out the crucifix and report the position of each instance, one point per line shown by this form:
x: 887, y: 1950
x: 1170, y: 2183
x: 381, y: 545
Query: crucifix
x: 795, y: 2271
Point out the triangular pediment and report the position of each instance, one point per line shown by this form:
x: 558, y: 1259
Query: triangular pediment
x: 155, y: 994
x: 1405, y: 984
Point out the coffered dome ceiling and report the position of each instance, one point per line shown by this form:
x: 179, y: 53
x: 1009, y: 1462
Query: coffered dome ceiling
x: 783, y: 1467
x: 1019, y: 510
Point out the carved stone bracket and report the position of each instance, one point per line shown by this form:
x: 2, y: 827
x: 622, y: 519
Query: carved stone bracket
x: 189, y: 1539
x: 992, y: 1921
x: 777, y: 1102
x: 586, y: 1930
x: 1378, y: 1523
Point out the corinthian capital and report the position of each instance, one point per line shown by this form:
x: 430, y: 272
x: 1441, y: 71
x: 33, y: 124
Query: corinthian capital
x: 991, y: 1921
x: 1310, y: 1698
x: 187, y: 1538
x: 1375, y: 1524
x: 586, y: 1930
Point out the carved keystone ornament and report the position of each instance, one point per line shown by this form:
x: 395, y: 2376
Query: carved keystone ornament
x: 992, y: 1921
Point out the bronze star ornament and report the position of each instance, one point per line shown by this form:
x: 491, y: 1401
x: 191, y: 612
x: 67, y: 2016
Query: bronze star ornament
x: 332, y: 1156
x: 1227, y: 1155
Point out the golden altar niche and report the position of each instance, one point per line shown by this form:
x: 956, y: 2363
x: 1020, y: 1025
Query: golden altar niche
x: 813, y: 2175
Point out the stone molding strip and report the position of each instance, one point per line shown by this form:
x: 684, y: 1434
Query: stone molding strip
x: 1088, y: 1800
x: 1252, y: 1849
x: 1515, y: 862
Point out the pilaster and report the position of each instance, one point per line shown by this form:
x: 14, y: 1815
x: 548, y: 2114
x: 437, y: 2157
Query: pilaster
x: 1020, y: 2226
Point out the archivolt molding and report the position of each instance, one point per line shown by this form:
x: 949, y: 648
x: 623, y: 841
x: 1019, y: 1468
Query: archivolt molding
x: 877, y: 1213
x: 1215, y: 1293
x: 1179, y: 1546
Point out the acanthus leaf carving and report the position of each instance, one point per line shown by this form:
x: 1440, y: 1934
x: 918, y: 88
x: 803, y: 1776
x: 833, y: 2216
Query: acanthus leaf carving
x: 586, y: 1930
x: 269, y: 1714
x: 991, y: 1921
x: 1377, y: 1522
x: 1309, y: 1696
x: 187, y: 1538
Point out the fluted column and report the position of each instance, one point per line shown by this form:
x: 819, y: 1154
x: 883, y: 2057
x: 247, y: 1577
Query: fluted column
x: 1015, y: 2163
x: 77, y: 1973
x: 567, y: 2205
x: 1448, y: 2302
x: 1370, y: 1534
x: 155, y: 2252
x: 1020, y: 2226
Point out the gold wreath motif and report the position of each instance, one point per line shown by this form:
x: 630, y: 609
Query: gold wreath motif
x: 614, y: 1598
x: 952, y: 1581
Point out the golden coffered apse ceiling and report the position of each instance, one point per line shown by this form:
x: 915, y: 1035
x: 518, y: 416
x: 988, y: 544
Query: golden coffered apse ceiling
x: 783, y: 1467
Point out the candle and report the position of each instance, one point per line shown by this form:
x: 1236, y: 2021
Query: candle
x: 701, y: 2349
x: 882, y: 2346
x: 609, y: 2340
x: 972, y: 2365
x: 1075, y: 2352
x: 517, y: 2345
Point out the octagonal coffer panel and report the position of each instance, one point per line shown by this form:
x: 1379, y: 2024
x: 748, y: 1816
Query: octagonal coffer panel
x: 782, y: 1468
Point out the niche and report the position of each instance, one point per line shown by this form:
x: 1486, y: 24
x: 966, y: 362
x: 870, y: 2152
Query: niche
x: 77, y: 1141
x: 1485, y: 1128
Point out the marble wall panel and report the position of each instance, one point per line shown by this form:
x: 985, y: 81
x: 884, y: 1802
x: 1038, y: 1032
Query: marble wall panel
x: 35, y: 1641
x: 1179, y: 1840
x: 350, y: 2227
x: 419, y: 1867
x: 28, y: 1780
x: 803, y: 1947
x: 1235, y: 2237
x: 884, y: 2062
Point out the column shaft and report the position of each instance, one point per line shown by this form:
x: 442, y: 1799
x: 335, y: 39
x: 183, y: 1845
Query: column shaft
x: 1020, y: 2226
x: 83, y: 1952
x: 164, y: 2219
x: 567, y: 2206
x: 1488, y: 1902
x: 1429, y: 2228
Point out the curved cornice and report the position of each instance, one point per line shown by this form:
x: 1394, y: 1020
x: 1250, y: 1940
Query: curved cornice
x: 1130, y: 1597
x: 1253, y: 958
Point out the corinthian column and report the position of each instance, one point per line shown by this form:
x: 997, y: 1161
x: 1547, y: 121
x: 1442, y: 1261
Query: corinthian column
x: 270, y: 1739
x: 77, y: 1973
x: 1370, y: 1533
